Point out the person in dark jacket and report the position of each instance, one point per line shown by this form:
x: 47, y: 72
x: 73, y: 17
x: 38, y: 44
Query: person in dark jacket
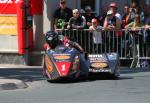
x: 63, y: 14
x: 77, y: 21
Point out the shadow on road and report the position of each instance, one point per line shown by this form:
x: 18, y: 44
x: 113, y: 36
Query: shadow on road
x: 34, y: 74
x: 134, y: 70
x: 26, y: 75
x: 90, y: 78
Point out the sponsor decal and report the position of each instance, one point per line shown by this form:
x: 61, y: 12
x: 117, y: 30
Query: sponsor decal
x: 99, y: 70
x: 63, y: 68
x: 8, y: 25
x: 112, y: 56
x: 99, y: 65
x: 49, y: 65
x: 62, y: 57
x: 98, y: 58
x: 95, y: 56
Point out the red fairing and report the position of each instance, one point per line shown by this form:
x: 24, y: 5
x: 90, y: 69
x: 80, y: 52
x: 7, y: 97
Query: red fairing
x: 8, y: 6
x: 21, y: 26
x: 22, y: 29
x: 63, y: 68
x: 36, y: 7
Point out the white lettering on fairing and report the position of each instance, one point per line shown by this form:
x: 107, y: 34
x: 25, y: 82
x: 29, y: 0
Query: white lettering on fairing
x: 8, y: 1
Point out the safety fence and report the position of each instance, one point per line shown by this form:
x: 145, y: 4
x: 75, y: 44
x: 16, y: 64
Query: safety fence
x: 127, y: 43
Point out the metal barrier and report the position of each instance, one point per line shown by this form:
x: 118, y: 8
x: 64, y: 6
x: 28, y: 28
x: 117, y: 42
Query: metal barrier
x: 126, y: 43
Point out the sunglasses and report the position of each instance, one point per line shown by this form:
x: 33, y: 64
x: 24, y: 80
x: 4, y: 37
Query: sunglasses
x: 62, y: 2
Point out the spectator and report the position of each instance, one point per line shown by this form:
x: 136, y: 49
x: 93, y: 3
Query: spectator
x: 137, y: 40
x: 113, y: 6
x: 125, y: 19
x: 62, y: 15
x: 134, y: 9
x: 113, y: 40
x: 77, y: 21
x: 111, y: 21
x: 146, y: 12
x: 82, y: 12
x: 97, y: 36
x: 147, y: 27
x: 102, y: 16
x: 89, y: 15
x: 136, y: 24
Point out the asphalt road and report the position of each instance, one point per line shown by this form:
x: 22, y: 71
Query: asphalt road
x: 133, y: 86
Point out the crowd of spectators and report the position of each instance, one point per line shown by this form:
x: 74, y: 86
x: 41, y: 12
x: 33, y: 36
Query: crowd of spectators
x: 111, y: 16
x: 133, y: 17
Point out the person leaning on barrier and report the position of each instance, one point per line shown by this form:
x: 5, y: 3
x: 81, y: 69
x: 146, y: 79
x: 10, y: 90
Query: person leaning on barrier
x: 111, y: 21
x: 114, y: 7
x: 135, y: 9
x: 77, y: 21
x: 136, y: 24
x: 125, y: 17
x: 89, y: 15
x: 137, y: 39
x: 77, y: 24
x: 62, y: 15
x: 112, y: 25
x: 97, y: 36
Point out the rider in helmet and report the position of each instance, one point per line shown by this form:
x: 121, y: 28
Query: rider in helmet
x: 53, y: 39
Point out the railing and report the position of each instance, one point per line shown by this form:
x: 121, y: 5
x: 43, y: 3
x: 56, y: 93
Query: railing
x: 127, y: 43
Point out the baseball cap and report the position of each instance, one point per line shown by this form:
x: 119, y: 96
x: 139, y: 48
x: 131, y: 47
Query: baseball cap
x: 109, y: 12
x: 114, y: 5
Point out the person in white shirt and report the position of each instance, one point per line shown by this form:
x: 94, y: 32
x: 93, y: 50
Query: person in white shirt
x: 97, y: 36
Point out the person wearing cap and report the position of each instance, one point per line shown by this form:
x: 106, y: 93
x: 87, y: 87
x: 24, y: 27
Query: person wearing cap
x: 63, y: 13
x: 97, y: 36
x: 112, y: 24
x: 113, y: 6
x: 111, y: 21
x: 89, y: 15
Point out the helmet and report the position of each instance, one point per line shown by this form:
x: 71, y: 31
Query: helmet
x: 113, y: 5
x: 52, y: 39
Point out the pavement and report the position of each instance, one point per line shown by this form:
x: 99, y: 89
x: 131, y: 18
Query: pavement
x: 14, y: 77
x: 14, y: 82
